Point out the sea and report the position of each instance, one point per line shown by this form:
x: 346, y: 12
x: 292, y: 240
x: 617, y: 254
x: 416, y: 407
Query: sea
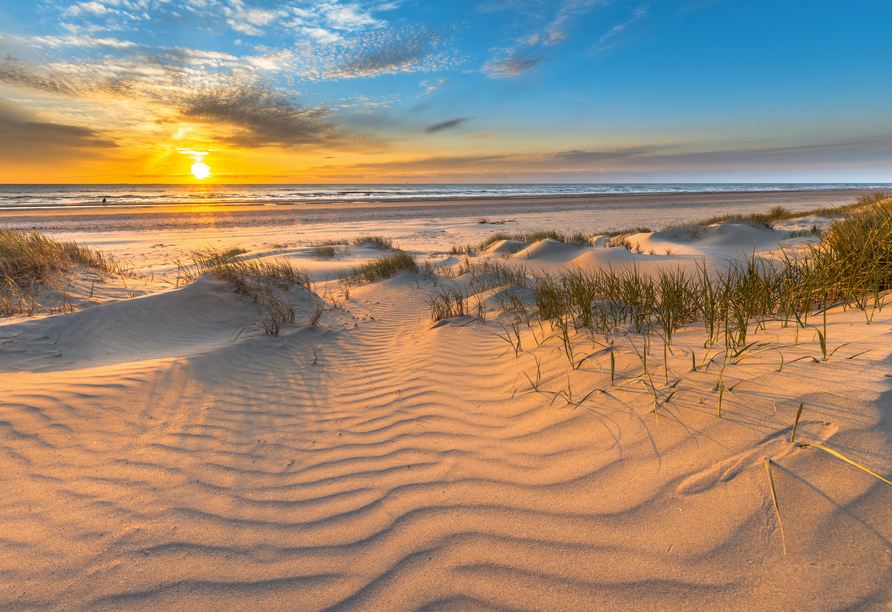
x: 17, y: 197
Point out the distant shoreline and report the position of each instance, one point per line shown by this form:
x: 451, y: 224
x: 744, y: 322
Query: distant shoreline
x: 182, y: 215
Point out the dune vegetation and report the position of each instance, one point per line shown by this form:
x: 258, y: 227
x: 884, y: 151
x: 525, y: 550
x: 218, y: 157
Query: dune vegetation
x: 264, y: 282
x: 591, y: 315
x: 31, y: 261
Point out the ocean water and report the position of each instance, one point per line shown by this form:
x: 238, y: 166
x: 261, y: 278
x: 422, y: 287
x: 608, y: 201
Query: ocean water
x: 63, y: 196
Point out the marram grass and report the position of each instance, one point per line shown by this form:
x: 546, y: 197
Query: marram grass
x: 380, y: 268
x: 263, y: 281
x: 31, y: 260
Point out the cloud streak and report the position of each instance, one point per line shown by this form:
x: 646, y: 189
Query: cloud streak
x: 588, y: 156
x: 398, y: 54
x: 28, y: 140
x: 252, y: 117
x: 511, y: 65
x: 446, y: 125
x: 639, y: 14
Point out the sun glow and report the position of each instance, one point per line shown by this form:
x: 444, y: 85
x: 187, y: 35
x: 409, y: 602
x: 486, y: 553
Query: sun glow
x: 200, y: 170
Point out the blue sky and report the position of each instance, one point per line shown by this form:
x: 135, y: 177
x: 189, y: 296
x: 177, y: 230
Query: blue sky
x: 463, y: 91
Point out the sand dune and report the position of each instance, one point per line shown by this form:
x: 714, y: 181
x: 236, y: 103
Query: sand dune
x: 380, y: 461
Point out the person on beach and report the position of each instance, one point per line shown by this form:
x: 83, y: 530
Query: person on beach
x: 104, y: 202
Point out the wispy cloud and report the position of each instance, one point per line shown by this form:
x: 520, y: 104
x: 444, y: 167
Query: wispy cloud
x: 606, y: 41
x: 349, y: 17
x: 511, y: 65
x: 680, y: 157
x: 393, y: 55
x: 568, y: 12
x: 595, y: 155
x: 249, y: 20
x: 375, y: 53
x: 446, y: 125
x: 93, y: 8
x: 431, y: 85
x: 19, y: 74
x: 28, y: 140
x: 254, y: 117
x: 249, y: 17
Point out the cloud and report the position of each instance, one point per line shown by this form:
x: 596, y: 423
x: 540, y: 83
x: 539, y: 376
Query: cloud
x: 446, y: 125
x: 93, y: 8
x: 374, y: 53
x: 560, y: 16
x: 431, y: 85
x: 675, y: 158
x: 27, y: 140
x: 14, y: 72
x: 349, y: 17
x: 394, y: 55
x: 253, y: 117
x: 31, y: 134
x: 586, y: 156
x: 511, y: 65
x: 249, y: 20
x: 425, y: 166
x: 321, y: 35
x: 177, y: 88
x: 639, y: 14
x: 480, y: 135
x: 568, y: 13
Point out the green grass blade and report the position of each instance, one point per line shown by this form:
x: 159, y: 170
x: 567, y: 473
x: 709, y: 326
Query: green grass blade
x: 846, y: 459
x: 796, y: 422
x: 774, y: 499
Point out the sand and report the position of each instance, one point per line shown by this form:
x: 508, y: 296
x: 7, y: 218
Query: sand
x: 158, y: 453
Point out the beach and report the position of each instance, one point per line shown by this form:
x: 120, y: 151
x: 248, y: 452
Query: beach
x: 160, y: 452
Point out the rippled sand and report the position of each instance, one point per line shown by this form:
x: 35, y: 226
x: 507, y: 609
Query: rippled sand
x: 157, y: 453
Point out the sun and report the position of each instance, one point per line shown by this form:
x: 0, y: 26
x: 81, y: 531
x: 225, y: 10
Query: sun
x: 201, y: 170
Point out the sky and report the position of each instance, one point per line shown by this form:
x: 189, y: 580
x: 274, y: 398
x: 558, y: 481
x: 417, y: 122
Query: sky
x: 458, y: 91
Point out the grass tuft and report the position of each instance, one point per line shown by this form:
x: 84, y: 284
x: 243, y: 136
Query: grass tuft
x: 377, y: 269
x: 378, y: 242
x: 575, y: 238
x: 31, y: 260
x: 263, y: 281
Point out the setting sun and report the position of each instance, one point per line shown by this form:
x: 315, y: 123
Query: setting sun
x: 201, y: 170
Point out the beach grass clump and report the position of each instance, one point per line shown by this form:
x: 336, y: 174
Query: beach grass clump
x: 631, y: 230
x: 31, y: 260
x: 378, y: 242
x: 265, y: 282
x: 380, y: 268
x: 757, y: 219
x: 324, y: 252
x: 865, y: 203
x: 851, y: 265
x: 243, y: 274
x: 536, y: 236
x: 332, y: 242
x: 449, y: 301
x: 329, y: 251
